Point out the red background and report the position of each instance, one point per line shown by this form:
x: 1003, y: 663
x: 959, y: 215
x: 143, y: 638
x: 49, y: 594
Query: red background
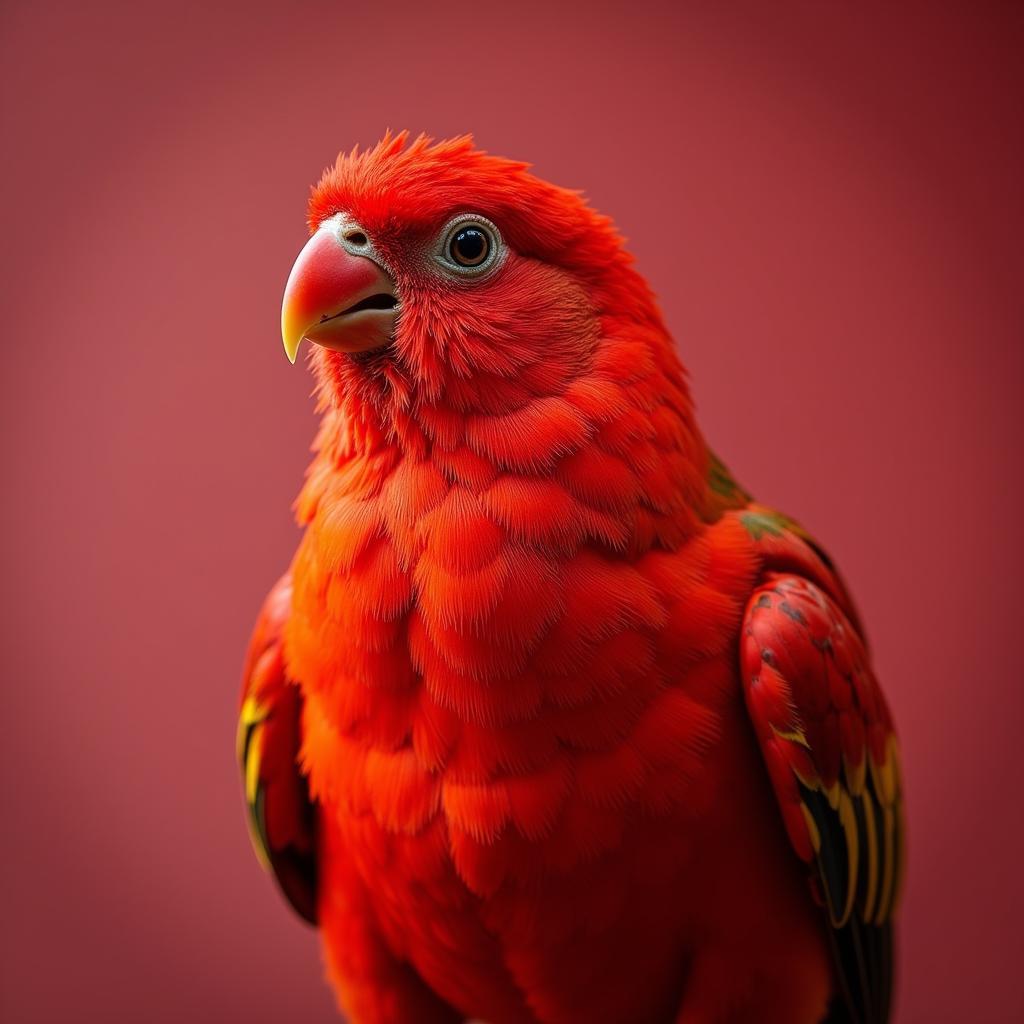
x: 827, y: 198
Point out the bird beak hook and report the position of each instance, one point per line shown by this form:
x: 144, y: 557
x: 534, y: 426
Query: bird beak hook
x: 337, y: 295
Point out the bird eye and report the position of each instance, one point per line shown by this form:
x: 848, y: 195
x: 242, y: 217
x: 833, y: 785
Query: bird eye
x: 471, y: 245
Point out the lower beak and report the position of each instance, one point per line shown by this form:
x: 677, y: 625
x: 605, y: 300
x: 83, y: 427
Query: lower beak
x: 336, y: 298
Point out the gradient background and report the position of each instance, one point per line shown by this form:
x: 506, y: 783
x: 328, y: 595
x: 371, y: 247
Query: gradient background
x: 828, y: 198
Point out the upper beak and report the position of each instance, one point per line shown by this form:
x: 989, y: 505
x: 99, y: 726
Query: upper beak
x: 337, y: 297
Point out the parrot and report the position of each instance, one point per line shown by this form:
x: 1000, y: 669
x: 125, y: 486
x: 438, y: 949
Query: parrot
x: 550, y: 720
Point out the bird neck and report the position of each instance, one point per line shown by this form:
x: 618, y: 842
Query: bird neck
x: 611, y: 458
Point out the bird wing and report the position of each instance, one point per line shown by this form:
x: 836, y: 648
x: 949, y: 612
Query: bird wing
x: 827, y: 739
x: 281, y: 818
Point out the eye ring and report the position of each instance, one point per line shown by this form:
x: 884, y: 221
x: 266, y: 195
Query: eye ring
x: 470, y: 246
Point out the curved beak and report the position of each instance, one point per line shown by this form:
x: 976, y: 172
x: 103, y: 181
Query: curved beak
x: 337, y: 297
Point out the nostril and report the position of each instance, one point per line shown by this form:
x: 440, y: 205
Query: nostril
x: 356, y: 238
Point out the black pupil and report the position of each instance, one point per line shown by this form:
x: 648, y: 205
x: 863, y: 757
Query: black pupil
x: 469, y: 247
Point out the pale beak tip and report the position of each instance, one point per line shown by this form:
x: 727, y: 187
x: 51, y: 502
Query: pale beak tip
x: 291, y: 336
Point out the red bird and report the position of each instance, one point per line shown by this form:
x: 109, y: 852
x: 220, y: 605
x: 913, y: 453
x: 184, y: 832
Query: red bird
x: 549, y: 720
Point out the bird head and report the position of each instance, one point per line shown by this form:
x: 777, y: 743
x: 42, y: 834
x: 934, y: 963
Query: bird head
x: 439, y: 270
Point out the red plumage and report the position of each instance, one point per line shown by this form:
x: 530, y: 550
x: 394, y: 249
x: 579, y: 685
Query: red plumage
x: 579, y: 723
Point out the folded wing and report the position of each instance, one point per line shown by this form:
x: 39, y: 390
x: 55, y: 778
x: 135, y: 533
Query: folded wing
x: 281, y: 818
x: 827, y: 739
